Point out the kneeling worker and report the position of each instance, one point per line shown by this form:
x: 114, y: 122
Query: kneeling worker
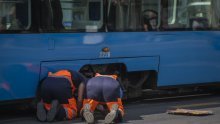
x: 105, y: 90
x: 57, y: 93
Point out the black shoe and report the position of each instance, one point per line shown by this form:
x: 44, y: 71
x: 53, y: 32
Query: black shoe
x: 51, y: 114
x: 88, y: 115
x: 41, y: 112
x: 112, y: 115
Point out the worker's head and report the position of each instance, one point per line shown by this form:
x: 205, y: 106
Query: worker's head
x: 150, y: 20
x: 87, y: 71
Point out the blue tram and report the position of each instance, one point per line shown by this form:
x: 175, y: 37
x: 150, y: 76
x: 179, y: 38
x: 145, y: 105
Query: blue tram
x: 150, y: 43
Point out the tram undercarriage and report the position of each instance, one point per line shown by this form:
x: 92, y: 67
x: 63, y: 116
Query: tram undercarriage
x: 132, y: 83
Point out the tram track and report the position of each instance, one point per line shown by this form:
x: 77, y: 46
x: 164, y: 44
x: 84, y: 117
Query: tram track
x: 177, y: 97
x: 160, y: 97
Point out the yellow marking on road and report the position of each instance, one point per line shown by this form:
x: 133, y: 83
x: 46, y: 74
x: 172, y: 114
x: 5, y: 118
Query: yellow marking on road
x: 197, y: 105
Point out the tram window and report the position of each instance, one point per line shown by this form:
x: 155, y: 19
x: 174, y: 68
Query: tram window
x: 123, y: 15
x: 82, y: 15
x: 94, y: 11
x: 15, y: 15
x: 215, y: 16
x: 193, y: 14
x: 163, y: 15
x: 51, y: 15
x: 133, y: 15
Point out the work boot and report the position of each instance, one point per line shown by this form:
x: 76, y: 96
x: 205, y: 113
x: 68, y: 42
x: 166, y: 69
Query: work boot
x: 51, y: 114
x: 119, y: 118
x: 87, y: 114
x: 112, y: 115
x: 41, y: 112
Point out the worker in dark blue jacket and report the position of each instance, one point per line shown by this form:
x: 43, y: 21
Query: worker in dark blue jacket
x: 58, y: 95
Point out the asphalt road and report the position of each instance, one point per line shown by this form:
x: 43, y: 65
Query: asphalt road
x: 138, y: 112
